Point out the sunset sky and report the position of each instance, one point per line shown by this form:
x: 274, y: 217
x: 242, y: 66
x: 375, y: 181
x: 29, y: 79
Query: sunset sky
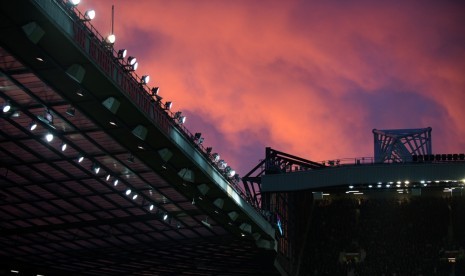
x: 311, y: 78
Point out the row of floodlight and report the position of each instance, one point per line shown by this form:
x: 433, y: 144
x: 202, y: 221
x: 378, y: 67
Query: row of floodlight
x: 96, y: 167
x: 132, y: 65
x: 90, y: 15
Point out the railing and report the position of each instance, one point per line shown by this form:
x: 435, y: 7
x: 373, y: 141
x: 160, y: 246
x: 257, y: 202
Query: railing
x: 105, y: 56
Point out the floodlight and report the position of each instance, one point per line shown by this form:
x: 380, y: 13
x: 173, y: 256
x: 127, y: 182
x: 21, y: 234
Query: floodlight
x: 49, y: 137
x: 181, y: 120
x: 122, y: 53
x: 134, y: 197
x: 63, y: 146
x: 131, y: 60
x: 209, y: 150
x: 108, y: 177
x: 32, y: 125
x: 165, y: 216
x: 134, y: 66
x: 168, y: 105
x: 74, y: 2
x: 89, y: 15
x: 151, y: 207
x: 145, y: 79
x: 155, y: 91
x: 6, y: 107
x: 80, y: 158
x: 96, y: 168
x: 110, y: 39
x: 232, y: 173
x: 128, y: 191
x: 115, y: 183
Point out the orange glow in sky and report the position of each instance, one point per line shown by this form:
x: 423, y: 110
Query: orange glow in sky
x: 311, y: 78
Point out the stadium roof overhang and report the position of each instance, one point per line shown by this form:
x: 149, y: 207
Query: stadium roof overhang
x: 371, y: 174
x: 63, y: 215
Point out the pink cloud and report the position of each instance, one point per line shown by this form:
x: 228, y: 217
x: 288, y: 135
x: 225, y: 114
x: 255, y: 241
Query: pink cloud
x: 312, y: 79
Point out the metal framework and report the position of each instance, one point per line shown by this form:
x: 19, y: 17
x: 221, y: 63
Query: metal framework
x: 275, y: 162
x: 399, y: 145
x: 279, y: 208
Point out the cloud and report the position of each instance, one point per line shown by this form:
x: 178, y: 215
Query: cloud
x: 305, y: 77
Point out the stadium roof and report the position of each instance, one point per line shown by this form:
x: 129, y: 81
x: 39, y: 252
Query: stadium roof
x: 171, y: 212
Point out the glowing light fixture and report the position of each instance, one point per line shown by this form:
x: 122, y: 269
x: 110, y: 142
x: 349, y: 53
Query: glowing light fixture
x: 108, y: 177
x: 132, y: 60
x: 165, y: 216
x: 145, y: 79
x: 89, y: 15
x: 155, y: 91
x: 151, y: 207
x: 168, y: 105
x: 128, y: 191
x: 6, y: 107
x: 96, y: 168
x: 80, y: 158
x: 32, y: 125
x: 134, y: 197
x: 49, y: 137
x: 74, y: 2
x: 111, y: 39
x: 134, y: 66
x: 63, y: 146
x: 115, y: 183
x: 122, y: 53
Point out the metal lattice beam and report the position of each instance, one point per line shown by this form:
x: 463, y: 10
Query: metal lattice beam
x: 399, y: 145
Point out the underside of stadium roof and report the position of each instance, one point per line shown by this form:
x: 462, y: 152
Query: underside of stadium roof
x: 82, y: 192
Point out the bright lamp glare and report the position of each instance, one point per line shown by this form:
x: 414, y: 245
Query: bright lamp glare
x: 6, y: 107
x: 145, y: 79
x: 49, y: 137
x: 33, y: 126
x: 63, y: 147
x: 122, y: 53
x: 90, y: 14
x: 131, y: 60
x: 128, y: 191
x: 75, y: 2
x: 151, y: 207
x: 165, y: 216
x: 111, y: 39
